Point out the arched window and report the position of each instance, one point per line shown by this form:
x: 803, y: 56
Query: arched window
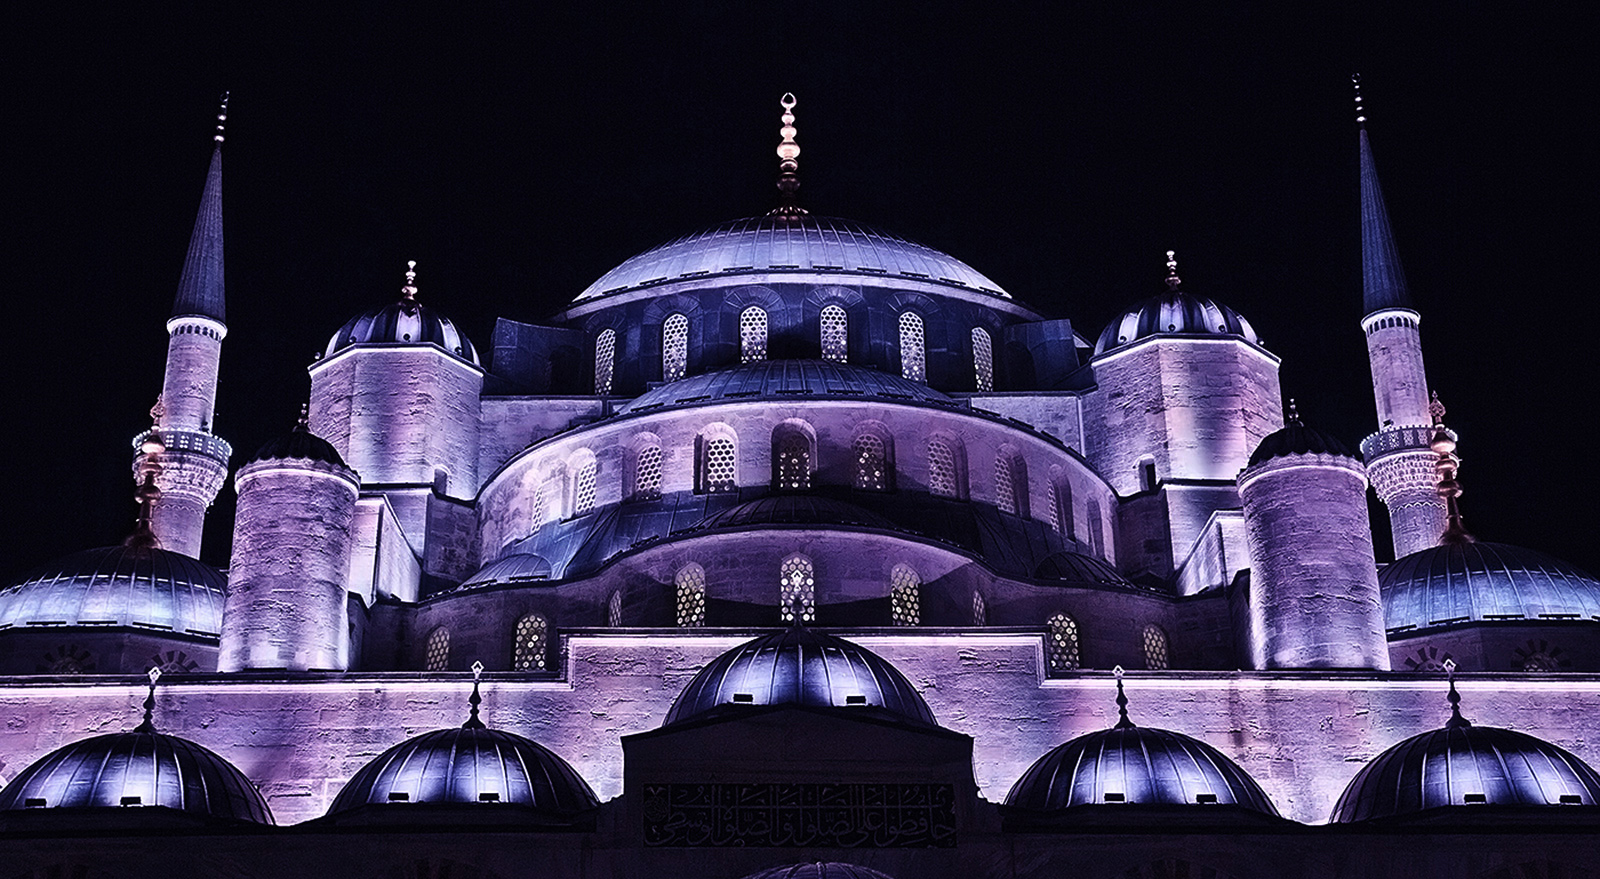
x: 647, y: 472
x: 834, y: 334
x: 983, y: 358
x: 1097, y: 535
x: 438, y: 655
x: 584, y: 485
x: 1155, y: 648
x: 797, y: 589
x: 943, y: 473
x: 529, y: 652
x: 718, y: 467
x: 1061, y: 643
x: 980, y: 612
x: 913, y: 354
x: 614, y: 610
x: 905, y: 596
x: 871, y: 459
x: 691, y: 582
x: 1011, y: 483
x: 752, y: 335
x: 791, y: 458
x: 541, y: 506
x: 674, y: 348
x: 1061, y: 507
x: 605, y: 360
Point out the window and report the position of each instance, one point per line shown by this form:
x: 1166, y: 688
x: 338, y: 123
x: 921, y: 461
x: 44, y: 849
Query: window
x: 1061, y: 508
x: 584, y: 485
x: 871, y: 462
x: 1005, y: 487
x: 905, y: 598
x: 791, y: 459
x: 529, y: 652
x: 1061, y: 643
x: 691, y: 582
x: 980, y: 613
x: 752, y: 335
x: 913, y: 358
x: 541, y: 506
x: 1155, y: 648
x: 647, y: 473
x: 797, y: 589
x: 674, y: 348
x: 983, y: 358
x: 1097, y: 536
x: 834, y: 327
x: 605, y: 360
x: 1147, y: 473
x: 614, y: 610
x: 942, y: 468
x: 719, y: 466
x: 438, y: 655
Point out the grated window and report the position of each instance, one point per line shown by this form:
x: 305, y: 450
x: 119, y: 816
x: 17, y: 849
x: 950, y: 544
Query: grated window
x: 529, y: 653
x: 834, y: 327
x: 1005, y: 489
x: 1155, y: 648
x: 905, y: 597
x: 691, y: 582
x: 605, y: 360
x: 913, y: 357
x: 438, y: 655
x: 1061, y: 509
x: 941, y: 469
x: 872, y: 464
x: 980, y: 612
x: 647, y: 474
x: 752, y: 335
x: 583, y: 488
x: 1061, y: 643
x: 797, y: 589
x: 983, y: 358
x: 614, y: 610
x: 674, y: 348
x: 719, y: 466
x: 793, y: 455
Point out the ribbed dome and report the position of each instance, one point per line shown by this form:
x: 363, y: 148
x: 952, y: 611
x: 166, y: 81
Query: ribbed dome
x: 801, y: 666
x: 785, y: 379
x: 771, y: 244
x: 1445, y: 766
x: 1174, y: 312
x: 119, y: 585
x: 794, y: 509
x: 1142, y: 765
x: 1079, y: 568
x: 402, y: 322
x: 157, y: 769
x: 299, y: 443
x: 1297, y: 439
x: 819, y: 870
x: 1471, y: 582
x: 512, y: 568
x: 463, y: 765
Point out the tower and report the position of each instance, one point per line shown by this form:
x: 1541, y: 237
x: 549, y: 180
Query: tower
x: 1399, y: 460
x: 189, y: 462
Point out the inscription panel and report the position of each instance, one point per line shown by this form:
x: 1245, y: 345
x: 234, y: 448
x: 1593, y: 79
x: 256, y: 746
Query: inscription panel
x: 780, y: 815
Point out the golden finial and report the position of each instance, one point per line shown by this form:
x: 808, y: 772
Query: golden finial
x: 788, y: 167
x: 149, y: 725
x: 1172, y: 271
x: 1361, y: 114
x: 409, y: 291
x: 1294, y: 413
x: 475, y: 700
x: 1443, y: 444
x: 222, y: 117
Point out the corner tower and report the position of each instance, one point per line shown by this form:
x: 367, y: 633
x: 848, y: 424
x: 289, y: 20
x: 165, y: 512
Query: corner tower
x: 188, y: 461
x: 1399, y: 460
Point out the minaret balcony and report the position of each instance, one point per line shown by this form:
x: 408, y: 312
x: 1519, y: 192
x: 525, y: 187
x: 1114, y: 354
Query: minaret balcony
x: 1400, y: 439
x: 195, y: 441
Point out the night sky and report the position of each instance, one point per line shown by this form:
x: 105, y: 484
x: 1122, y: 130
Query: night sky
x: 519, y: 156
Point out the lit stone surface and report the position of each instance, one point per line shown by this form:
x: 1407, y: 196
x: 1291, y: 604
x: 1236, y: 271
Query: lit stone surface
x: 189, y: 389
x: 1399, y: 380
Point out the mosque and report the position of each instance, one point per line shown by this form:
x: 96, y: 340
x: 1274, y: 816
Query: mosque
x: 795, y: 548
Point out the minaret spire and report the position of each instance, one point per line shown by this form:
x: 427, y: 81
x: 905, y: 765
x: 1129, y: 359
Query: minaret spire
x: 1382, y: 278
x: 200, y: 288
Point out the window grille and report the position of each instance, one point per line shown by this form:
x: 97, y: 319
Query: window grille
x: 793, y: 454
x: 614, y: 610
x: 605, y: 360
x: 674, y: 348
x: 983, y: 358
x: 797, y: 589
x: 1061, y: 508
x: 691, y: 581
x: 438, y: 656
x: 720, y: 466
x: 647, y: 473
x: 1061, y: 643
x: 905, y: 598
x: 1005, y: 489
x: 834, y: 334
x: 913, y: 357
x: 872, y: 464
x: 584, y: 486
x: 541, y: 507
x: 942, y: 469
x: 752, y: 335
x: 1155, y: 648
x: 529, y: 652
x: 980, y: 613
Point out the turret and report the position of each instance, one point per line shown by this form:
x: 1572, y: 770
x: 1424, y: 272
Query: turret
x: 1314, y: 600
x: 190, y: 463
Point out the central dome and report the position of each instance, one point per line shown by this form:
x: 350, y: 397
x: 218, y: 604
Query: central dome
x: 789, y: 244
x: 789, y: 379
x: 1472, y: 582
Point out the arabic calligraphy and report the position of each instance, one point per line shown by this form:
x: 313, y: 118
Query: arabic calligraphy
x: 781, y: 815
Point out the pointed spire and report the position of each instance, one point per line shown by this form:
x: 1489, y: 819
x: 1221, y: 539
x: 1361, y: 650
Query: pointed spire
x: 1456, y: 721
x: 1173, y: 281
x: 1122, y: 702
x: 1382, y: 277
x: 1443, y: 444
x: 788, y: 164
x: 200, y: 288
x: 475, y: 700
x: 149, y: 725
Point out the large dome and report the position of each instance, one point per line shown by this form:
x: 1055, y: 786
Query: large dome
x: 801, y: 666
x: 794, y: 509
x: 772, y: 244
x: 1473, y: 582
x: 787, y: 379
x: 119, y: 585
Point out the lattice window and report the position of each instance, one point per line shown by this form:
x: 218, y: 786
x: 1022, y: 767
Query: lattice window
x: 871, y: 461
x: 913, y: 355
x: 752, y: 335
x: 835, y: 326
x: 905, y: 596
x: 529, y: 652
x: 942, y: 469
x: 720, y: 467
x: 793, y: 457
x: 1061, y: 508
x: 674, y: 348
x: 605, y: 360
x: 1155, y: 648
x: 797, y: 589
x: 983, y: 358
x: 1097, y: 537
x: 691, y: 581
x: 584, y: 486
x: 438, y: 653
x: 1005, y: 488
x: 647, y: 473
x: 614, y: 610
x: 980, y: 612
x: 1061, y: 643
x: 541, y: 506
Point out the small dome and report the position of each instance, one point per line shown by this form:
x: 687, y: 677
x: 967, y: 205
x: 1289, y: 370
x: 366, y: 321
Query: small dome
x: 403, y: 322
x: 818, y: 870
x: 794, y: 509
x: 1135, y: 764
x: 300, y: 443
x: 1297, y: 439
x: 1497, y: 767
x: 776, y: 244
x: 469, y: 765
x: 1462, y: 582
x: 1079, y: 568
x: 137, y: 768
x: 119, y: 585
x: 1174, y: 312
x: 801, y: 666
x: 784, y: 379
x: 518, y: 566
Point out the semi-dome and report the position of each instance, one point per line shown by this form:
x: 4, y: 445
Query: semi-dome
x: 1174, y: 312
x: 819, y: 870
x: 470, y: 764
x: 139, y: 768
x: 794, y: 509
x: 804, y: 667
x: 1078, y: 568
x: 777, y: 244
x: 119, y: 585
x: 1460, y: 582
x: 784, y: 379
x: 302, y: 444
x: 1297, y: 439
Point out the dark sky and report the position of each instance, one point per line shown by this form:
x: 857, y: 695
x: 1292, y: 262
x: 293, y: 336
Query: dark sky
x: 518, y: 156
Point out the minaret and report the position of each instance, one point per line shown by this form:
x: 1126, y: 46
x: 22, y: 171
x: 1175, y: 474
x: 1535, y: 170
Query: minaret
x: 1399, y: 460
x: 189, y: 462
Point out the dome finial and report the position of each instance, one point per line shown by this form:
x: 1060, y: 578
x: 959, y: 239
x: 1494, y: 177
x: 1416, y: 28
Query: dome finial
x: 788, y: 166
x: 409, y: 291
x: 475, y: 700
x: 305, y: 417
x: 1172, y: 271
x: 222, y: 118
x: 147, y: 492
x: 1122, y: 702
x: 149, y: 725
x: 1456, y: 721
x: 1361, y: 113
x: 1294, y: 414
x: 1444, y: 445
